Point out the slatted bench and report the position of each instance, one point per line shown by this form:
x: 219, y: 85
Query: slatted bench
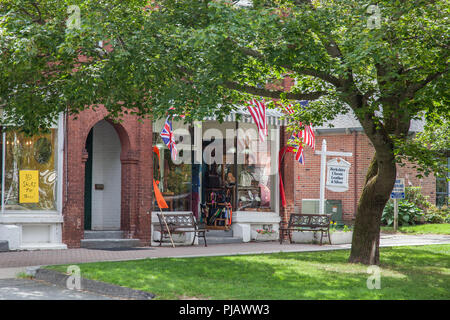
x: 179, y: 223
x: 306, y: 222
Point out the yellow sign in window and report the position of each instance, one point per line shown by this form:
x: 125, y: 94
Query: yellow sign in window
x: 28, y: 186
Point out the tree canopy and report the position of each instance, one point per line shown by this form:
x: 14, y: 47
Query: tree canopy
x: 386, y: 61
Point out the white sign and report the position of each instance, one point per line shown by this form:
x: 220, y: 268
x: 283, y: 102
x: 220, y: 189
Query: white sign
x: 398, y: 192
x: 337, y: 175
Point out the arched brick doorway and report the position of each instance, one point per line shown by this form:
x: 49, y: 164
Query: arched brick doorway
x: 103, y: 176
x: 135, y: 157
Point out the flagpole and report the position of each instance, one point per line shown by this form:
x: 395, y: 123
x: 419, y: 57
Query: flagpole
x: 168, y: 230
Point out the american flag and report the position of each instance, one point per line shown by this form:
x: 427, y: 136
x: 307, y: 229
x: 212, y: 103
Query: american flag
x: 169, y: 139
x: 176, y: 115
x: 258, y: 111
x: 306, y: 135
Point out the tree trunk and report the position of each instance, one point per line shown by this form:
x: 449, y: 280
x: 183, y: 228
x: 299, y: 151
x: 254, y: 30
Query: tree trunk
x: 379, y: 182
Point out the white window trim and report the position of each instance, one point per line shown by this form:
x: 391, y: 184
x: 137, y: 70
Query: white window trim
x: 59, y: 183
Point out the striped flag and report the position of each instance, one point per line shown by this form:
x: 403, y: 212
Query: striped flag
x: 306, y: 135
x: 299, y: 155
x: 169, y: 139
x: 258, y: 111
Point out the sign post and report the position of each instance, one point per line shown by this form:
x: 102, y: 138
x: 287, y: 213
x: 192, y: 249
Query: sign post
x: 323, y: 163
x: 398, y: 192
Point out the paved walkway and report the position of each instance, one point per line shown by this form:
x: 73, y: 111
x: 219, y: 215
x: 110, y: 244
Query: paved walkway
x: 24, y: 289
x: 17, y: 261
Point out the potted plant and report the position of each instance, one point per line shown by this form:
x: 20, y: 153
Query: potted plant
x: 300, y: 236
x: 266, y: 235
x: 340, y: 235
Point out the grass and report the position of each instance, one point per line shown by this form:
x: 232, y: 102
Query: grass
x: 416, y: 272
x: 441, y: 228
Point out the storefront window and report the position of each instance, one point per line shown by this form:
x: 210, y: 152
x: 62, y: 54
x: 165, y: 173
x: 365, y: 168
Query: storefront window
x: 256, y: 172
x: 30, y: 171
x: 174, y: 178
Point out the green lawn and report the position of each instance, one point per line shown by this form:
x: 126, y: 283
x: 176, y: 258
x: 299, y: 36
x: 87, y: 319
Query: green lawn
x: 442, y: 228
x: 416, y: 272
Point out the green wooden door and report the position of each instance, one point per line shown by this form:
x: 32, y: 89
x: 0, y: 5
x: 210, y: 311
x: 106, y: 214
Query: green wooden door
x: 88, y: 185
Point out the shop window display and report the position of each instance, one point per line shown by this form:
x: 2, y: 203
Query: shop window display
x: 256, y: 177
x: 174, y: 180
x: 30, y: 171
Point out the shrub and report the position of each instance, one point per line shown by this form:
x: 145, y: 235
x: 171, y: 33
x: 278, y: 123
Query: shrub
x: 408, y: 213
x: 414, y: 195
x: 437, y: 215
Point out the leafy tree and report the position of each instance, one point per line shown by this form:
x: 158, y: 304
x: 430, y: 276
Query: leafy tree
x: 386, y: 61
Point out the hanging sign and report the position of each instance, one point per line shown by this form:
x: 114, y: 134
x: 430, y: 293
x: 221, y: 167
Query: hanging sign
x: 337, y: 175
x: 28, y: 186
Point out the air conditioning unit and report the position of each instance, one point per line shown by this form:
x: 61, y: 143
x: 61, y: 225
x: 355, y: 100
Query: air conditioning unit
x: 310, y: 206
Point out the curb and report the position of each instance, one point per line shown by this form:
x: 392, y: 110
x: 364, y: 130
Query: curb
x: 92, y: 286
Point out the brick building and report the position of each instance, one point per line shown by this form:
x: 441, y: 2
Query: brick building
x: 95, y: 178
x: 346, y: 135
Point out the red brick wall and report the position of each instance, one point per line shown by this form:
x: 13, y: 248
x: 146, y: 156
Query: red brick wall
x: 136, y: 160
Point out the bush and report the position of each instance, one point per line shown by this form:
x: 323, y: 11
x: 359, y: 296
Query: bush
x: 408, y: 213
x: 437, y: 215
x: 414, y: 195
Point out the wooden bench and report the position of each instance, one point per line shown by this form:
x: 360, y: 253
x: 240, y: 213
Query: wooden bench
x: 306, y: 222
x: 180, y: 223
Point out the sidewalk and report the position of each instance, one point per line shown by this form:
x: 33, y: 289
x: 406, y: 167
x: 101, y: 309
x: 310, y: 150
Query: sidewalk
x: 23, y: 289
x: 17, y: 261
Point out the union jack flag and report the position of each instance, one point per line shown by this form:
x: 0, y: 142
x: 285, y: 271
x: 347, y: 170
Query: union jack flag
x: 299, y: 155
x: 169, y: 139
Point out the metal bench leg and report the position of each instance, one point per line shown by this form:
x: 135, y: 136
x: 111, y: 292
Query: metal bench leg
x: 193, y: 241
x: 204, y: 237
x: 321, y: 236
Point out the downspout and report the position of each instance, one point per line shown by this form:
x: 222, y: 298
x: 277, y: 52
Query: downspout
x: 66, y: 151
x: 355, y: 191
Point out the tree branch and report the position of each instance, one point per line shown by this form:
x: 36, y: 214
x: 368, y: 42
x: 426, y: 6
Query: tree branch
x: 302, y: 70
x: 273, y: 94
x: 413, y: 88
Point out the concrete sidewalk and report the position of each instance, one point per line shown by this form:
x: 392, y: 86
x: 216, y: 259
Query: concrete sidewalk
x: 24, y: 289
x: 16, y: 261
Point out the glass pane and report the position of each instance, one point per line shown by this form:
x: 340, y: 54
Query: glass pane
x: 256, y: 177
x: 441, y: 185
x: 25, y: 157
x: 174, y: 179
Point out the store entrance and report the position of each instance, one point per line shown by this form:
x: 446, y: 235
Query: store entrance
x: 218, y: 185
x: 103, y: 179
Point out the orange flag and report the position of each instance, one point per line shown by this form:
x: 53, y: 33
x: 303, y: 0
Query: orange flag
x: 159, y: 197
x: 156, y: 150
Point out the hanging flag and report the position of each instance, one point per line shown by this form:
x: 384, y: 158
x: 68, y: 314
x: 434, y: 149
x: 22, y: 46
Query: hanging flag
x: 299, y: 155
x: 176, y: 115
x: 306, y: 135
x: 169, y: 139
x: 162, y: 204
x: 258, y: 111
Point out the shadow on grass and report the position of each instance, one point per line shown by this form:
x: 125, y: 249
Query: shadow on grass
x: 316, y: 275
